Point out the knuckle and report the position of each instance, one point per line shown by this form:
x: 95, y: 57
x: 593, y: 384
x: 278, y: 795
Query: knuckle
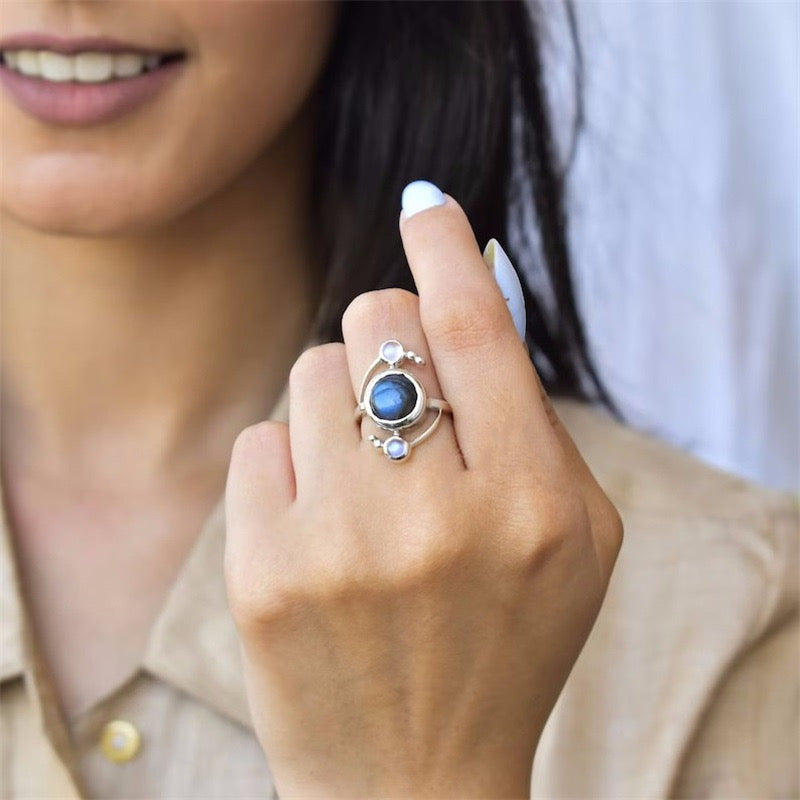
x: 243, y: 588
x: 441, y: 538
x: 256, y: 439
x: 464, y: 321
x: 387, y: 305
x: 613, y: 527
x: 255, y: 608
x: 314, y: 364
x: 547, y: 523
x: 264, y: 591
x: 561, y: 514
x: 428, y: 560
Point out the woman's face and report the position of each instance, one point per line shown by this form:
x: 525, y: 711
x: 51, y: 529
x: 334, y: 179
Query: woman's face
x: 119, y: 158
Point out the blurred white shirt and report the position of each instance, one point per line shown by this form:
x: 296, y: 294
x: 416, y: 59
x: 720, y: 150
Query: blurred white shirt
x: 683, y: 203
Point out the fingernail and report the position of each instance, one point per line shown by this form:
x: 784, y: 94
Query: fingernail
x: 419, y: 195
x: 507, y: 279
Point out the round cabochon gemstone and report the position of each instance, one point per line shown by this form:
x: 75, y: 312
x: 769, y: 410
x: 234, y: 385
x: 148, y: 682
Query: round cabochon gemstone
x: 393, y: 397
x: 396, y: 448
x: 391, y: 351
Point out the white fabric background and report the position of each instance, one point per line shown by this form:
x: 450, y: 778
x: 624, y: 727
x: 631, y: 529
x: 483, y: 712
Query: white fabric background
x: 684, y: 221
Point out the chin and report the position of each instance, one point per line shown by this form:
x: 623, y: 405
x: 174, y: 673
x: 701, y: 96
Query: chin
x: 75, y: 197
x: 65, y: 219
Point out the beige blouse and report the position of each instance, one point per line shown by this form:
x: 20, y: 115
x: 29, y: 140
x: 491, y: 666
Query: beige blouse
x: 688, y: 686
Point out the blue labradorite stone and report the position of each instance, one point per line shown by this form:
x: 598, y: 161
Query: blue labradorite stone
x: 393, y: 397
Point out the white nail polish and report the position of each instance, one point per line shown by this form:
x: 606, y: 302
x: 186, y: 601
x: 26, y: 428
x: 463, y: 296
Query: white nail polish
x: 419, y: 195
x: 507, y: 279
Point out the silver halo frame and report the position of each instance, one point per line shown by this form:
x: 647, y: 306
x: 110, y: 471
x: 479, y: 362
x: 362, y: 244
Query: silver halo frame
x: 409, y: 419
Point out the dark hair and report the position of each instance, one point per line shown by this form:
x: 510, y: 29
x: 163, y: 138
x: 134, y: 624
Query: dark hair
x: 446, y: 91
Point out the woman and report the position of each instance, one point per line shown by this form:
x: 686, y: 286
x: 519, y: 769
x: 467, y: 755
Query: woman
x: 198, y: 199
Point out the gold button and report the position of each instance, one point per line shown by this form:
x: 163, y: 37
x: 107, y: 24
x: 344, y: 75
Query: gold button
x: 120, y: 740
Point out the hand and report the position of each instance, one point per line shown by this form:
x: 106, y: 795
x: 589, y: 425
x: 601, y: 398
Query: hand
x: 407, y: 627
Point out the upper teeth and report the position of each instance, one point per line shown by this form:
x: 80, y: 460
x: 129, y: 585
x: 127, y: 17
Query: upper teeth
x: 83, y: 67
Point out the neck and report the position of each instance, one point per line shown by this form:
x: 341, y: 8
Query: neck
x: 152, y: 351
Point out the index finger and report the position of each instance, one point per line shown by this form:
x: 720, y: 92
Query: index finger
x: 484, y: 369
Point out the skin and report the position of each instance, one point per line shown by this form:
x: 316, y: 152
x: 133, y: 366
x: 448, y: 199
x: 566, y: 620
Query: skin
x: 405, y: 628
x: 157, y: 285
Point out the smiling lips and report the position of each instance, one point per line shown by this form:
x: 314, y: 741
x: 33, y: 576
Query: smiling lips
x: 82, y: 81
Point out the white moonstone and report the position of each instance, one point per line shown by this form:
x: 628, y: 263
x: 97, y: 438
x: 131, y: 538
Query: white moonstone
x: 391, y: 351
x: 396, y: 448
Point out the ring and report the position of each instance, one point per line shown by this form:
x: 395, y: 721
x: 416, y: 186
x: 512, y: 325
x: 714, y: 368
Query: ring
x: 395, y: 400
